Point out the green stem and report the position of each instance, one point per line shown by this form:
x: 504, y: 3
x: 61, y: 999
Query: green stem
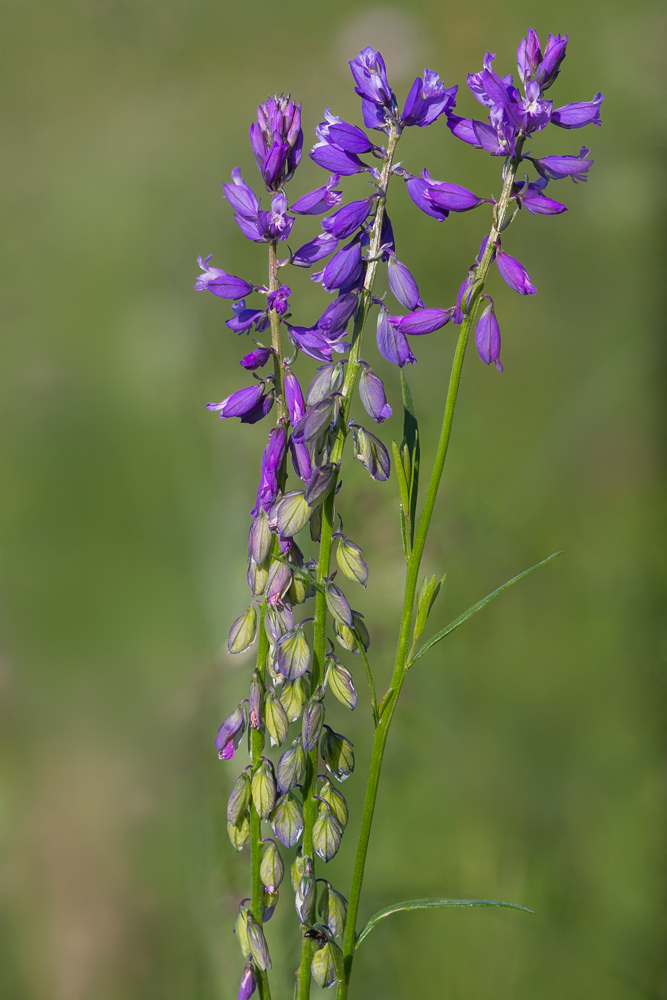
x: 256, y: 748
x: 400, y: 666
x: 319, y: 645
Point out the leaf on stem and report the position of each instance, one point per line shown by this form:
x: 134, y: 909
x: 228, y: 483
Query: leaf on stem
x: 477, y: 607
x: 411, y: 442
x: 430, y: 904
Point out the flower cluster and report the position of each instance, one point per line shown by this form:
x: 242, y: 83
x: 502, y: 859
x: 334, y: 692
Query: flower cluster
x: 292, y: 676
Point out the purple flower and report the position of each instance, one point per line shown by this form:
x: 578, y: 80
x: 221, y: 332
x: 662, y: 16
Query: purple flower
x: 387, y: 241
x: 256, y: 359
x: 320, y: 200
x: 276, y: 224
x: 231, y: 733
x: 578, y: 115
x: 487, y: 86
x: 487, y: 336
x: 422, y: 320
x: 317, y: 420
x: 277, y: 140
x: 296, y: 406
x: 403, y: 286
x: 315, y: 344
x: 249, y: 404
x: 532, y: 197
x: 271, y: 462
x: 350, y: 138
x: 555, y: 168
x: 328, y: 153
x: 248, y: 982
x: 427, y: 100
x: 328, y: 380
x: 225, y: 286
x: 514, y: 273
x: 451, y: 197
x: 317, y: 249
x: 337, y: 315
x: 417, y: 188
x: 279, y: 300
x: 301, y: 460
x: 392, y: 342
x: 533, y: 65
x: 370, y: 76
x: 244, y: 318
x: 344, y: 267
x: 241, y: 196
x: 348, y: 219
x: 248, y: 226
x: 531, y: 114
x: 372, y: 394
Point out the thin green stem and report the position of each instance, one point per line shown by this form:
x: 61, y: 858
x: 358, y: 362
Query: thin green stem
x: 388, y: 704
x: 319, y: 646
x: 256, y: 748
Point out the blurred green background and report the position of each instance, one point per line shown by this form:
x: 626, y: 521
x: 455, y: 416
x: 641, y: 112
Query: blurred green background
x: 527, y: 760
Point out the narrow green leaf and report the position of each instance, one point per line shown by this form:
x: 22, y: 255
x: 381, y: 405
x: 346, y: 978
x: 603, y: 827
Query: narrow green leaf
x: 477, y: 607
x: 431, y: 904
x: 411, y: 436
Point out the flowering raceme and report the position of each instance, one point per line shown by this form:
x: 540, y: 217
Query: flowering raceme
x: 296, y: 665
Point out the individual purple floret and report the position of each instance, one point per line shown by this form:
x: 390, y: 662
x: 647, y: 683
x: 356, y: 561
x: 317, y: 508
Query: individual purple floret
x: 422, y: 321
x: 487, y: 336
x: 279, y: 300
x: 346, y: 220
x: 555, y: 168
x: 271, y: 461
x: 315, y: 344
x: 350, y: 138
x: 451, y: 197
x: 370, y: 76
x: 249, y: 404
x: 336, y: 316
x: 276, y: 224
x: 514, y: 273
x: 241, y: 196
x: 244, y: 318
x: 417, y: 188
x: 372, y: 394
x: 225, y: 286
x: 231, y: 732
x: 343, y: 269
x: 392, y: 342
x: 578, y: 115
x: 535, y: 66
x: 427, y: 100
x: 277, y: 140
x: 403, y: 286
x: 532, y: 197
x: 296, y: 406
x: 256, y: 359
x: 320, y: 200
x: 315, y: 250
x: 248, y: 982
x: 329, y: 154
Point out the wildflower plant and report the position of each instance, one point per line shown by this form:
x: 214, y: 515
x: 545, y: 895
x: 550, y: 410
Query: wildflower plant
x: 290, y: 806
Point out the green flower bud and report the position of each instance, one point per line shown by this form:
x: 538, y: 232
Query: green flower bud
x: 360, y: 627
x: 292, y: 513
x: 298, y: 869
x: 287, y: 821
x: 335, y: 800
x: 239, y: 832
x: 258, y: 946
x: 242, y: 632
x: 261, y: 539
x: 292, y: 654
x: 292, y: 765
x: 346, y: 636
x: 294, y: 695
x: 348, y: 557
x: 340, y: 683
x: 333, y: 910
x: 337, y: 754
x: 264, y: 788
x: 327, y: 833
x: 313, y: 717
x: 337, y: 604
x: 323, y: 966
x: 271, y: 868
x: 305, y: 899
x: 275, y: 718
x: 316, y: 524
x: 258, y: 575
x: 239, y: 799
x: 241, y: 930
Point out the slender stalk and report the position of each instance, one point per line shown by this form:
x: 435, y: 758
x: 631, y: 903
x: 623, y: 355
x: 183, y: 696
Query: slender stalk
x: 400, y: 667
x: 274, y: 319
x: 319, y: 646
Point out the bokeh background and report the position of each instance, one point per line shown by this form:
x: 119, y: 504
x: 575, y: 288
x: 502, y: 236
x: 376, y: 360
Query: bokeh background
x: 527, y: 761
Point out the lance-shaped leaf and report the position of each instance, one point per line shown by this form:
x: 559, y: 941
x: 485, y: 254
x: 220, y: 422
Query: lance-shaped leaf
x: 477, y: 607
x: 430, y: 904
x: 287, y: 821
x: 292, y: 654
x: 412, y: 452
x: 292, y: 513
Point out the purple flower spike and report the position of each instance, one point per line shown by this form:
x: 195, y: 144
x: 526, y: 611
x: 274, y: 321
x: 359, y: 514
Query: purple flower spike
x: 225, y: 286
x: 296, y: 406
x: 372, y: 395
x: 231, y: 733
x: 248, y: 982
x: 487, y: 337
x: 578, y: 115
x: 317, y: 249
x: 423, y: 321
x: 241, y: 196
x: 343, y: 268
x: 555, y: 168
x: 392, y: 343
x: 532, y: 197
x: 346, y: 220
x: 256, y: 359
x: 320, y: 200
x: 451, y: 197
x: 417, y: 188
x: 514, y: 273
x: 350, y: 138
x: 403, y: 286
x: 271, y: 462
x: 279, y: 300
x: 370, y: 76
x: 427, y: 100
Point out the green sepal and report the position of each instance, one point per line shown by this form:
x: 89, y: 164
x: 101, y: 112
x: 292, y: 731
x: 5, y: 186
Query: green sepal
x: 430, y: 904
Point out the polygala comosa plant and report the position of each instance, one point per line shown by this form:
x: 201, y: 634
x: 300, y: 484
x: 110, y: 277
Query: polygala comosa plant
x: 289, y: 807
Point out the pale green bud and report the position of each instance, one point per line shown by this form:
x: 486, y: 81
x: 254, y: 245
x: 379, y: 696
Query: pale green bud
x: 348, y: 557
x: 313, y: 717
x: 258, y: 575
x: 340, y: 682
x: 292, y: 513
x: 242, y: 632
x: 298, y: 868
x: 291, y: 768
x: 275, y: 718
x: 292, y: 654
x: 323, y: 966
x: 239, y: 799
x: 316, y: 524
x: 337, y: 604
x: 346, y: 636
x: 333, y: 910
x: 327, y: 833
x: 287, y: 821
x: 258, y: 946
x: 294, y: 695
x: 272, y: 868
x: 239, y: 832
x: 264, y: 788
x: 335, y: 800
x: 241, y: 930
x: 305, y: 899
x: 337, y: 754
x: 301, y: 590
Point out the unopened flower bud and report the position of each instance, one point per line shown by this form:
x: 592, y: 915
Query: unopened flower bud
x: 316, y: 525
x: 346, y: 637
x: 278, y: 582
x: 272, y: 868
x: 360, y: 628
x: 293, y: 654
x: 298, y: 868
x: 239, y: 798
x: 292, y: 514
x: 337, y: 754
x: 269, y: 903
x: 257, y: 944
x: 317, y: 420
x: 287, y: 821
x: 260, y: 538
x: 336, y: 801
x: 248, y: 982
x: 348, y: 557
x: 313, y: 717
x: 264, y: 788
x: 338, y: 605
x: 340, y: 682
x: 242, y: 632
x: 258, y: 575
x: 239, y: 832
x: 278, y: 620
x: 256, y: 703
x: 275, y: 718
x: 327, y: 833
x: 293, y: 696
x: 305, y: 899
x: 231, y: 733
x: 321, y: 483
x: 323, y: 966
x: 241, y: 929
x: 291, y: 768
x: 301, y: 590
x: 333, y: 910
x: 327, y: 380
x: 372, y: 454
